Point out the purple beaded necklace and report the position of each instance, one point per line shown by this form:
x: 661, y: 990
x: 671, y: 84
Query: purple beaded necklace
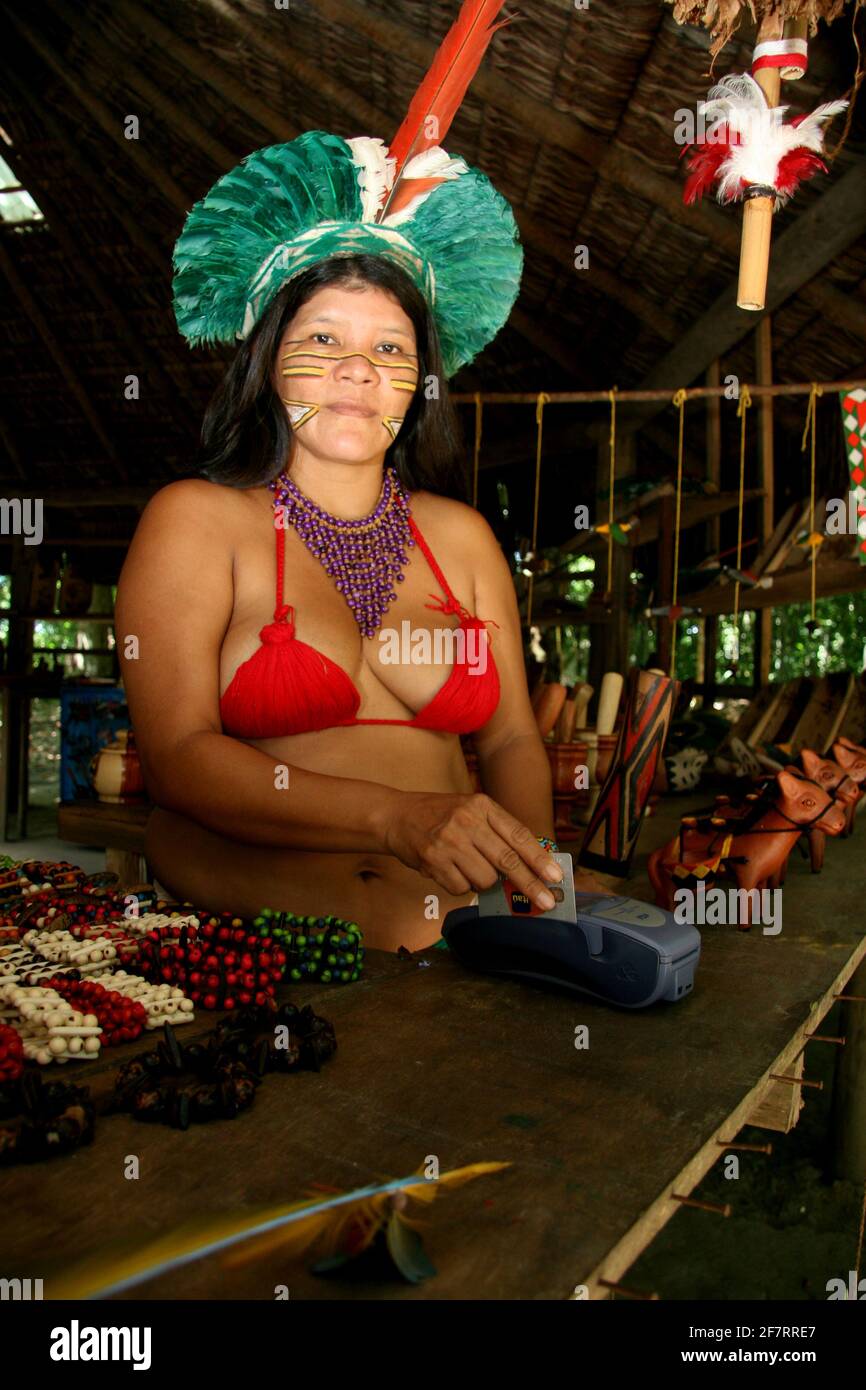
x: 364, y: 557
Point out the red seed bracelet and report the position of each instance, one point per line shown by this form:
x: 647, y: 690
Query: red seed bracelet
x: 121, y: 1019
x: 11, y: 1054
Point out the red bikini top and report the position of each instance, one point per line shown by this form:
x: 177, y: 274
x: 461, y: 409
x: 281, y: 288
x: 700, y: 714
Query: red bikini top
x: 288, y: 687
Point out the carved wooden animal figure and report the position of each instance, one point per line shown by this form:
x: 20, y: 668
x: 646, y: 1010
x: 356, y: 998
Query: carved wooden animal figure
x: 853, y: 758
x: 752, y: 855
x: 834, y: 778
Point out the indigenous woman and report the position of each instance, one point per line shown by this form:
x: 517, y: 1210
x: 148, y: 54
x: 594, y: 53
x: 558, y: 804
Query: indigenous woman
x: 305, y: 627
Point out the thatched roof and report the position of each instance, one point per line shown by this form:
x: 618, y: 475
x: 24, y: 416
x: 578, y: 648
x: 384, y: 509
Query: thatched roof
x: 571, y: 116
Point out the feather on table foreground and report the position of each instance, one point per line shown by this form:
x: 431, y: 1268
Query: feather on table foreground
x: 344, y: 1224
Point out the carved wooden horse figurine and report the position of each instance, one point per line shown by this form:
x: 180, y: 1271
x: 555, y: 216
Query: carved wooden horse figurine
x: 750, y: 849
x: 852, y: 758
x: 830, y: 775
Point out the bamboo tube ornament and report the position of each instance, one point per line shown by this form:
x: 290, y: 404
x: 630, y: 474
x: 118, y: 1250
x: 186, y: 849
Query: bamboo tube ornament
x: 747, y: 152
x: 758, y: 210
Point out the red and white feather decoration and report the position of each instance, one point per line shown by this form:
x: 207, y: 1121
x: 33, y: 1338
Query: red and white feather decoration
x: 415, y: 155
x: 747, y: 142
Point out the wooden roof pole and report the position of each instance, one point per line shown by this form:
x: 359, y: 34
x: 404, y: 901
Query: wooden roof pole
x: 210, y: 70
x: 108, y: 120
x: 560, y: 248
x: 838, y: 576
x: 64, y: 365
x: 708, y: 626
x: 178, y: 118
x: 135, y: 344
x: 158, y: 258
x: 764, y: 373
x: 12, y: 451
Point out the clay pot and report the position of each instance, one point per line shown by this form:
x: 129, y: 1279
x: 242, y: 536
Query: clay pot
x: 116, y: 770
x: 563, y: 759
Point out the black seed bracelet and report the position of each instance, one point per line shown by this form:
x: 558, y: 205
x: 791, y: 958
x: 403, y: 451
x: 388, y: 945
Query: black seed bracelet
x: 183, y: 1084
x: 55, y: 1118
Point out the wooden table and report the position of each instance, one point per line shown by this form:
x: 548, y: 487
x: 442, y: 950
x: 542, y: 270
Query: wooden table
x: 433, y: 1060
x: 118, y: 827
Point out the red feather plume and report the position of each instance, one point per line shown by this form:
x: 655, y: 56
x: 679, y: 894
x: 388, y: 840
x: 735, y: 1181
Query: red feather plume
x: 440, y: 94
x: 795, y: 167
x: 705, y: 158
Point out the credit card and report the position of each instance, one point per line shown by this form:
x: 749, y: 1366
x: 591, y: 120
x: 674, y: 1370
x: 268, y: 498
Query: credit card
x: 504, y: 899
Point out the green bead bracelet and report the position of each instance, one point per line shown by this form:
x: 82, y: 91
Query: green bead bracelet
x: 319, y: 950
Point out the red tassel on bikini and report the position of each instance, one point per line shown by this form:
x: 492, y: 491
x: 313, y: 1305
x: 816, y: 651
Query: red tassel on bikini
x: 278, y: 692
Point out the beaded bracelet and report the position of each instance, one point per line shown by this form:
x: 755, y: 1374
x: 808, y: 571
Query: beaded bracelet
x: 55, y: 1118
x: 181, y: 1085
x: 318, y: 949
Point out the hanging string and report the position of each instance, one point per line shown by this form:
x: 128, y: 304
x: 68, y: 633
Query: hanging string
x: 815, y: 540
x: 543, y: 398
x: 679, y: 400
x: 477, y: 448
x: 743, y: 405
x: 612, y: 398
x: 859, y: 74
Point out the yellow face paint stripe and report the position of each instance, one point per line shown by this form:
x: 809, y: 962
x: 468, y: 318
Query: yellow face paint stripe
x: 342, y: 356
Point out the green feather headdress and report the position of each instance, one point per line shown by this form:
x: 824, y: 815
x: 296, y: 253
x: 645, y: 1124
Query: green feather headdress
x: 286, y: 207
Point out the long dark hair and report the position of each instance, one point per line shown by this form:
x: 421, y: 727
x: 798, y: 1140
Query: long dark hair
x: 246, y: 436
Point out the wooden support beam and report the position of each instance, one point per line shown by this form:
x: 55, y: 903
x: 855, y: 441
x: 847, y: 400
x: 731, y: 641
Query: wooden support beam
x: 178, y: 118
x: 609, y: 639
x: 11, y: 449
x: 139, y: 352
x: 841, y: 576
x: 764, y: 374
x: 665, y: 582
x: 209, y: 69
x: 824, y: 231
x: 111, y: 122
x: 70, y: 375
x: 159, y: 259
x: 709, y: 625
x: 16, y: 701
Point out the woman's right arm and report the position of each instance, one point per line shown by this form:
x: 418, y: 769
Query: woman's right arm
x: 174, y: 604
